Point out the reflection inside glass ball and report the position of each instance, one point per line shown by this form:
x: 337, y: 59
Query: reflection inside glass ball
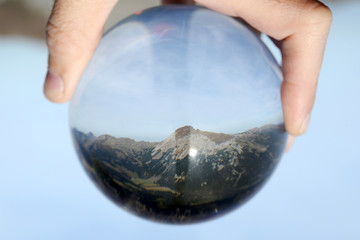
x: 178, y: 116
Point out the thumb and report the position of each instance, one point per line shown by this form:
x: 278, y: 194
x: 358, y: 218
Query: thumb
x: 74, y: 30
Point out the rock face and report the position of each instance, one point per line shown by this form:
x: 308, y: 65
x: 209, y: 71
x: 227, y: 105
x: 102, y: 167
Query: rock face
x: 190, y: 176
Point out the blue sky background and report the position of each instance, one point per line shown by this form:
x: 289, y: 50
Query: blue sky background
x: 45, y: 194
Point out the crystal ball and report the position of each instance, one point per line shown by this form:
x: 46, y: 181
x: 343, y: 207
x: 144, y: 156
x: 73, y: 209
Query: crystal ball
x: 178, y: 116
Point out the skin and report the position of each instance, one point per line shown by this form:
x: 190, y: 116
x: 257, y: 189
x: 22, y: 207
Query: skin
x: 298, y: 27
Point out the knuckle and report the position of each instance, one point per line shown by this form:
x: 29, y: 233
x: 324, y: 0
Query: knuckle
x: 318, y: 14
x: 65, y: 37
x: 59, y: 37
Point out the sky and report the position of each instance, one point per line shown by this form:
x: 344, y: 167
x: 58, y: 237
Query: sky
x: 313, y: 194
x: 135, y: 87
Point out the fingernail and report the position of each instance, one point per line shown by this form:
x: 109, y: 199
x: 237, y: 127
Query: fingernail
x: 305, y: 124
x: 54, y: 86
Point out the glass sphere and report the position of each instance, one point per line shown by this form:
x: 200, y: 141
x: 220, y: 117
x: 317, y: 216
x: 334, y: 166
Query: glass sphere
x: 178, y: 116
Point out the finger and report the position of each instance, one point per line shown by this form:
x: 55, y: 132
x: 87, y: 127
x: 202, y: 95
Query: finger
x: 73, y: 32
x: 289, y: 143
x: 302, y: 27
x: 177, y: 2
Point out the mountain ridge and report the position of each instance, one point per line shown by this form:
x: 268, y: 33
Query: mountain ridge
x: 190, y: 170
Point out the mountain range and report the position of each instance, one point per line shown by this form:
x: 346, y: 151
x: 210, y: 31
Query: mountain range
x: 190, y: 175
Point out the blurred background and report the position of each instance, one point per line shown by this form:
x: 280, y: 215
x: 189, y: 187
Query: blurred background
x: 45, y: 194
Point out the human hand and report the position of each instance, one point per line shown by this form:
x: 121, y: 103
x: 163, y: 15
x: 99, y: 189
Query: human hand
x: 299, y: 28
x: 73, y: 32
